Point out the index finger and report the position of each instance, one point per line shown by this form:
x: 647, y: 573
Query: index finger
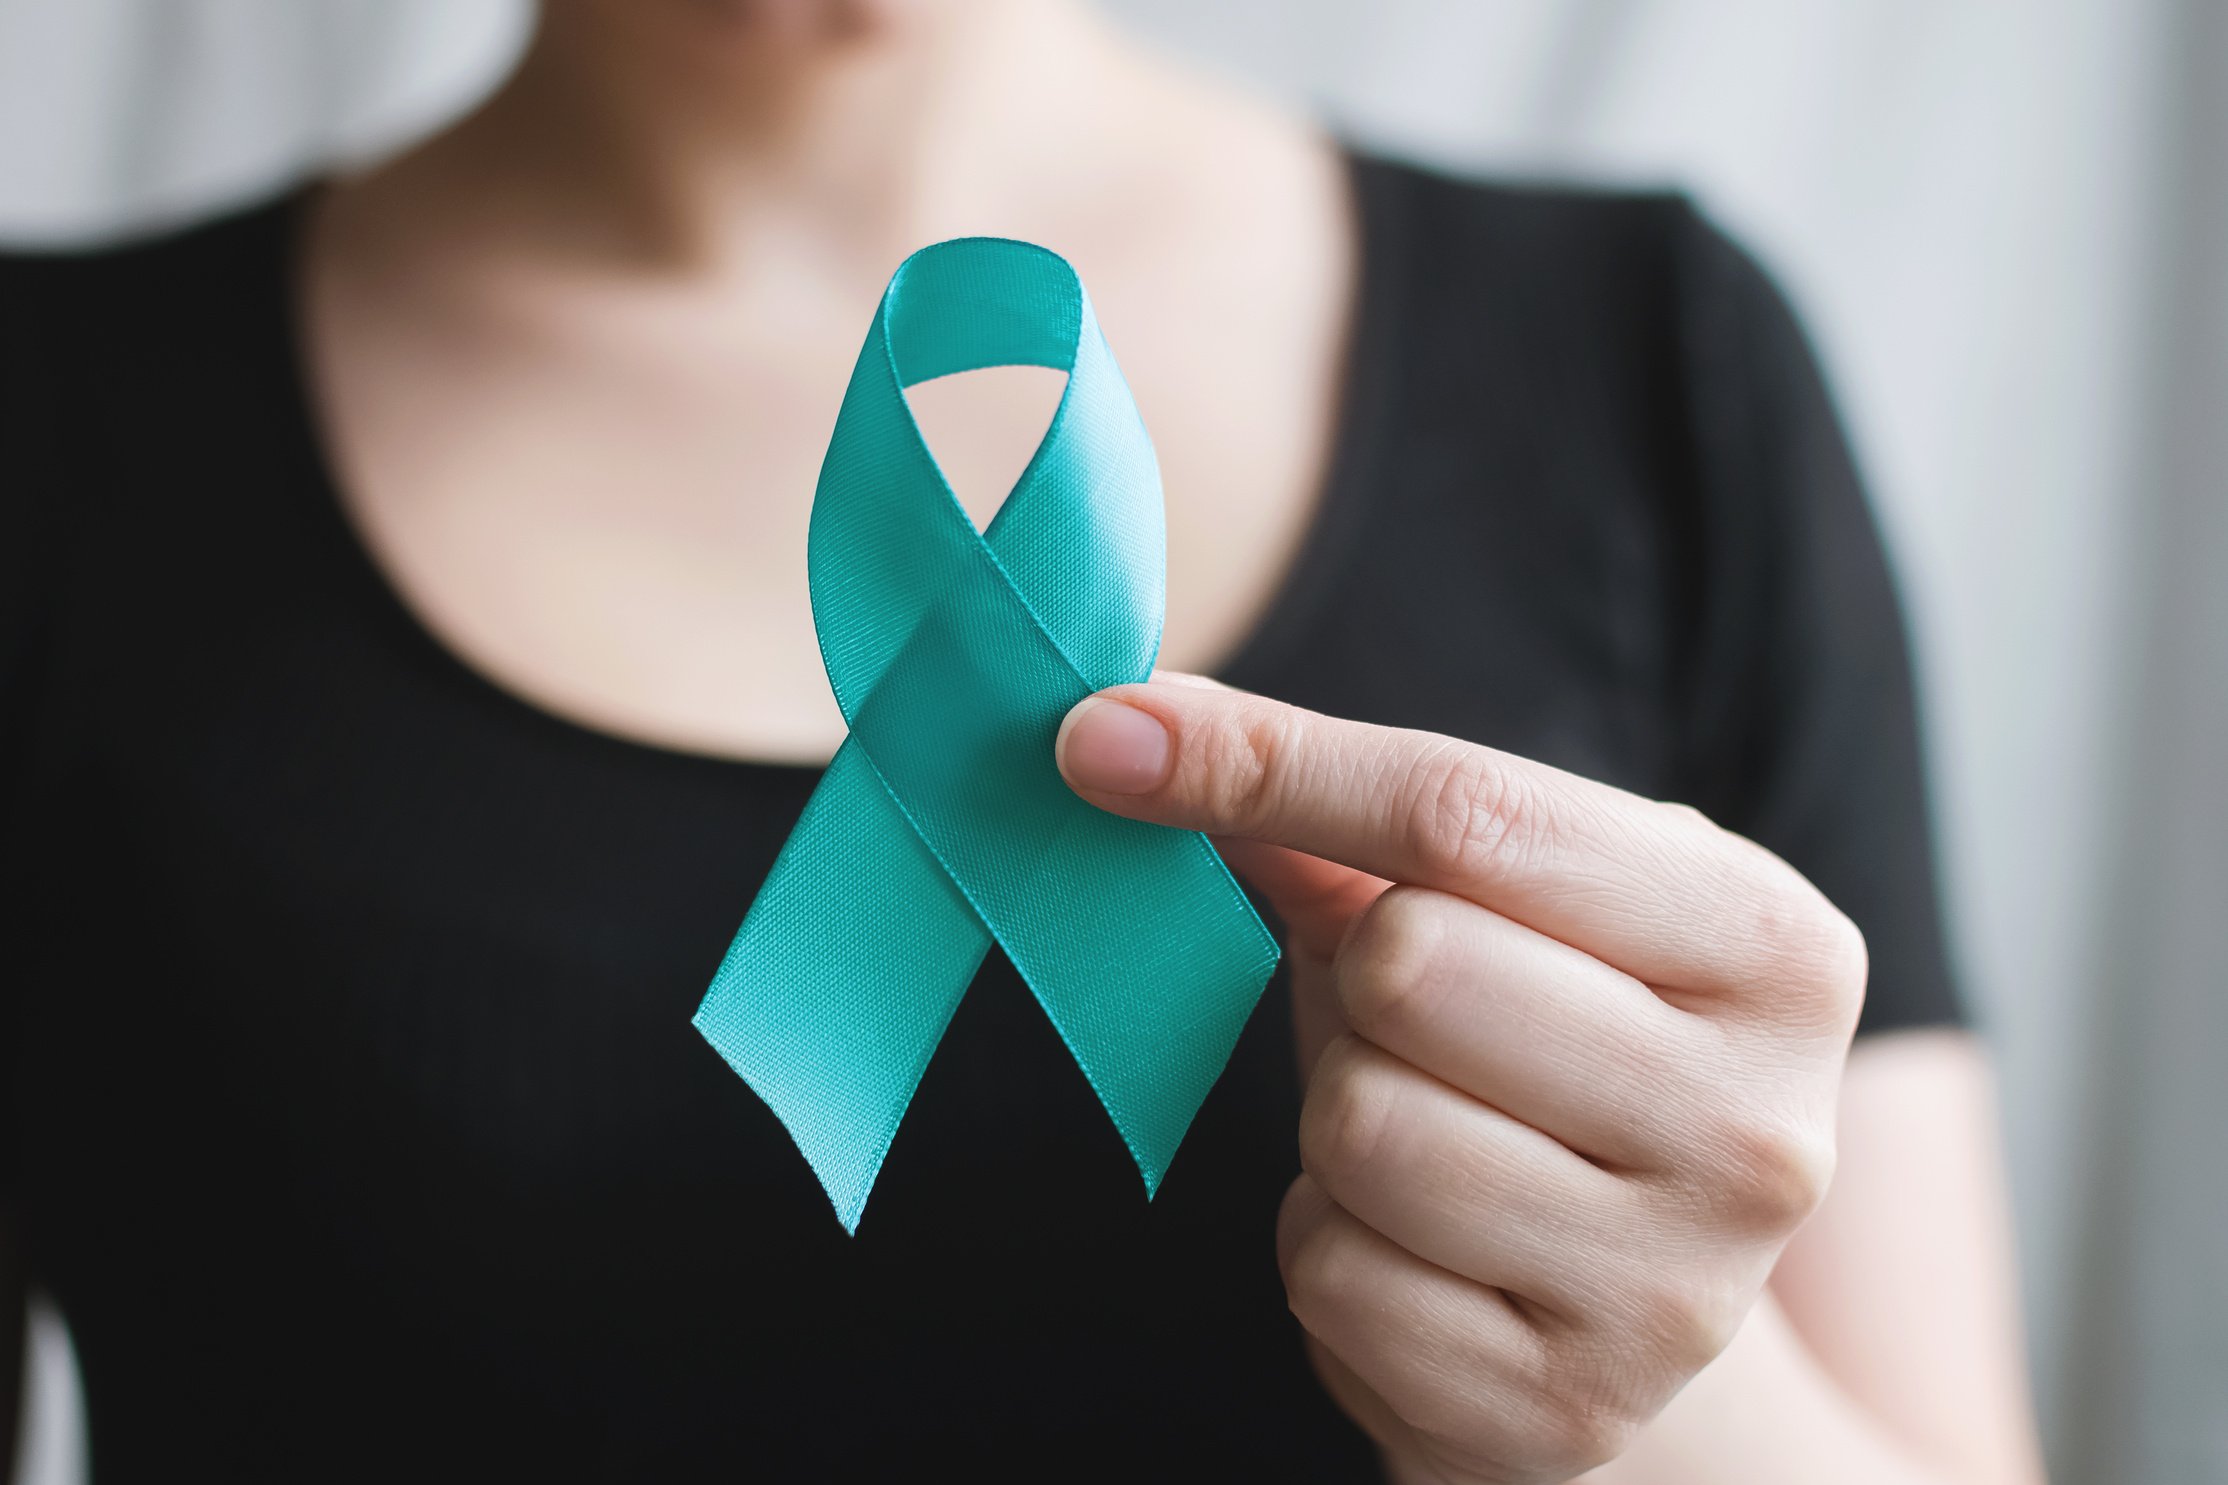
x: 1652, y: 888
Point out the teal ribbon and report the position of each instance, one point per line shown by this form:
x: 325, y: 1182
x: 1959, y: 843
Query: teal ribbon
x: 942, y: 824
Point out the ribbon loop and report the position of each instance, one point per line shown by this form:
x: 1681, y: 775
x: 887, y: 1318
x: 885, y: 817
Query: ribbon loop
x: 943, y: 825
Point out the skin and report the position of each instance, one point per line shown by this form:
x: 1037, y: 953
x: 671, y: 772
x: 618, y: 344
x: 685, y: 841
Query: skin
x: 1574, y: 1064
x: 576, y: 358
x: 1578, y: 1063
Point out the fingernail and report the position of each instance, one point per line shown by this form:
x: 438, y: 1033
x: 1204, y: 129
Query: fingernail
x: 1111, y: 747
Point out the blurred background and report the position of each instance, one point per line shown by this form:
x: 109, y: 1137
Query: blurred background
x: 2007, y: 224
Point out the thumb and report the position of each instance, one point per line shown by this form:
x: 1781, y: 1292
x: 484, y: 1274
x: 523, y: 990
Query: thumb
x: 1316, y: 898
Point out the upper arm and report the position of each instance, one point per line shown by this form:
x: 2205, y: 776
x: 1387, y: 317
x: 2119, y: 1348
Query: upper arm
x: 1798, y: 715
x: 18, y: 623
x: 1902, y: 1285
x: 1802, y: 732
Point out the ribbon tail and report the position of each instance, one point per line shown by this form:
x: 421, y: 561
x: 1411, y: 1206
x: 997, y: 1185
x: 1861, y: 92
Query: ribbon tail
x: 1150, y: 995
x: 843, y: 977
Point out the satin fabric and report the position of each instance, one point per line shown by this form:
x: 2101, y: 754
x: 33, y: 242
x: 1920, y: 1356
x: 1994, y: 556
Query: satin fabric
x: 942, y: 826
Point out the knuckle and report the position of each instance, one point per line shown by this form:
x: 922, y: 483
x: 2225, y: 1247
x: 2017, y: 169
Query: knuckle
x: 1572, y: 1403
x: 1687, y: 1325
x: 1815, y: 951
x: 1466, y: 819
x: 1845, y: 967
x: 1441, y: 1409
x: 1297, y: 1217
x: 1325, y: 1275
x: 1774, y: 1174
x: 1780, y: 906
x: 1686, y: 819
x: 1344, y: 1119
x: 1586, y: 1411
x: 1589, y: 1437
x: 1385, y: 978
x: 1251, y: 767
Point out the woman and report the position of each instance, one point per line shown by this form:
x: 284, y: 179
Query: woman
x: 409, y: 676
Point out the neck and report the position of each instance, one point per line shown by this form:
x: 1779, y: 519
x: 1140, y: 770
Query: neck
x: 664, y: 142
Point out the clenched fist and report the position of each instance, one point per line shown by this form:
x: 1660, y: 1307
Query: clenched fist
x: 1571, y: 1059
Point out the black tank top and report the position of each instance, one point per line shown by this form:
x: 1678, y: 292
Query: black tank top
x: 349, y: 1105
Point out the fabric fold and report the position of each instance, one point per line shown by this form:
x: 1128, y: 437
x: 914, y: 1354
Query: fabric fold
x: 943, y: 825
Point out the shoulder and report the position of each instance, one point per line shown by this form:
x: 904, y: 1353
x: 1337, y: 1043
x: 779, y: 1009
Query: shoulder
x: 104, y: 297
x: 1603, y: 402
x: 1636, y: 291
x: 1553, y: 240
x: 82, y: 327
x: 1460, y: 219
x: 1624, y: 327
x: 102, y: 348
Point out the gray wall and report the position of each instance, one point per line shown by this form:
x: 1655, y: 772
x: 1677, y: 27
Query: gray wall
x: 2008, y: 224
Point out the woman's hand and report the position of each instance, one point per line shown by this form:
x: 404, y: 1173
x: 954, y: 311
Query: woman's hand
x: 1574, y: 1057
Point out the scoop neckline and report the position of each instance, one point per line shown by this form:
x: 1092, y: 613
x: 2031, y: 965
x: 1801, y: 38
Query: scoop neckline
x: 1360, y: 404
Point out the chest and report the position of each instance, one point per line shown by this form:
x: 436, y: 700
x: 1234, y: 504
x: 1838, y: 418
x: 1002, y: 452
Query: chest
x: 320, y: 889
x: 602, y: 504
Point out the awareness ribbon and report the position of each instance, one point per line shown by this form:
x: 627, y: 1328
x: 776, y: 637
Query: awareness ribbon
x: 942, y: 824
